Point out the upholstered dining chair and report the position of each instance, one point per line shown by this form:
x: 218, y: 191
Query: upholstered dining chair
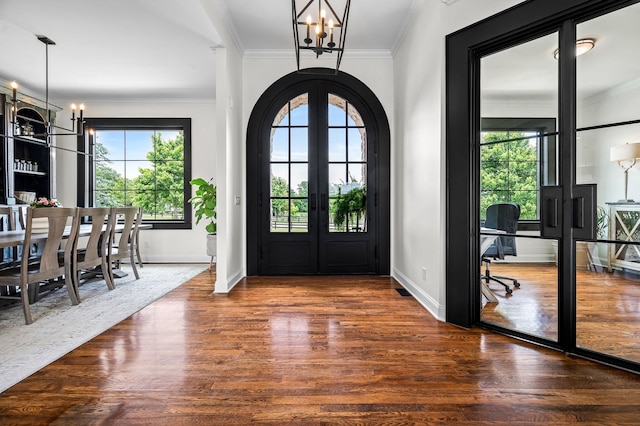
x: 52, y: 263
x: 124, y: 247
x: 93, y: 251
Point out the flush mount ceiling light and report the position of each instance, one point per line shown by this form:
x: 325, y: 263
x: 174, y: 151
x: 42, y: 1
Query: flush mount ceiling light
x: 582, y: 46
x: 321, y: 31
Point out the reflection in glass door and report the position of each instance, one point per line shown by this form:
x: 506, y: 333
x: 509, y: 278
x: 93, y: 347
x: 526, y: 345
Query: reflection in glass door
x: 518, y: 155
x: 607, y: 150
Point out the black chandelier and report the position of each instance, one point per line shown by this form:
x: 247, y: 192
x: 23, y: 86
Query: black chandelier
x: 321, y: 31
x: 16, y: 130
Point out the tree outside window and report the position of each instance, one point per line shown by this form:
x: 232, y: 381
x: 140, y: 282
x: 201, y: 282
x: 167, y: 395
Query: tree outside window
x: 142, y: 162
x: 517, y: 157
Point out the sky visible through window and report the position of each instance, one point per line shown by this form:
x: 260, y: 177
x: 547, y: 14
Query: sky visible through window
x: 300, y: 144
x: 128, y: 149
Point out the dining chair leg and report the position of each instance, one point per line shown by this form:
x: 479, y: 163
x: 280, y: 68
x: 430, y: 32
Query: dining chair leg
x: 70, y: 284
x: 138, y: 254
x: 133, y: 266
x: 76, y: 285
x: 106, y: 273
x: 24, y: 295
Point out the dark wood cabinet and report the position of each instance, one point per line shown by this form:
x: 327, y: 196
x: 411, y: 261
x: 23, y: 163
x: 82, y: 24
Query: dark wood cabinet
x: 27, y: 162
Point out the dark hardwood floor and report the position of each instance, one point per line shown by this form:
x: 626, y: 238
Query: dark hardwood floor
x: 310, y: 350
x: 607, y: 307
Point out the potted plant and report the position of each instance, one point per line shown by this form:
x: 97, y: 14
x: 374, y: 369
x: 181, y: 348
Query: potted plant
x: 350, y: 207
x: 204, y: 206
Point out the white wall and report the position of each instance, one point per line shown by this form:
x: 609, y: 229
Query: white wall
x: 179, y: 245
x: 230, y: 147
x: 593, y: 165
x: 418, y: 190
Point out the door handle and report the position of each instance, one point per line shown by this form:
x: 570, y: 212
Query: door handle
x: 313, y: 201
x: 584, y: 211
x: 323, y: 202
x: 578, y: 212
x: 551, y: 214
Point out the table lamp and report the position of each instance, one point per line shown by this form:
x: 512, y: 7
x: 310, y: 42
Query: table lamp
x: 626, y: 156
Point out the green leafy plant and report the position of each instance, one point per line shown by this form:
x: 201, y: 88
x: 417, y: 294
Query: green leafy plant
x: 204, y: 203
x: 350, y: 206
x: 602, y: 221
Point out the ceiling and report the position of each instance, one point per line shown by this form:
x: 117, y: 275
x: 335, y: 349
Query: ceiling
x: 127, y: 50
x: 160, y: 49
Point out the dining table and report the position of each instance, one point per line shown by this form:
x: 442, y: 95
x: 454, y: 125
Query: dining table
x: 16, y: 238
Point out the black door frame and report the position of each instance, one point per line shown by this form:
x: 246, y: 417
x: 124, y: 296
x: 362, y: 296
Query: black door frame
x: 464, y: 48
x: 368, y: 104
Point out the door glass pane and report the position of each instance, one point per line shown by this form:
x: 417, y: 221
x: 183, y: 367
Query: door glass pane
x: 299, y: 144
x: 280, y: 144
x: 289, y: 177
x: 347, y: 168
x: 337, y: 111
x: 357, y: 144
x: 337, y: 177
x: 518, y: 277
x: 608, y: 269
x: 337, y: 145
x: 607, y: 78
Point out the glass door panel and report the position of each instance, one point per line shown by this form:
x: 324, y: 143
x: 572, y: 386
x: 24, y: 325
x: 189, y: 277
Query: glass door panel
x: 607, y: 150
x: 347, y: 167
x: 518, y: 155
x: 289, y: 162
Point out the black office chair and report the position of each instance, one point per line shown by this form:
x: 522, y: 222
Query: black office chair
x: 504, y: 217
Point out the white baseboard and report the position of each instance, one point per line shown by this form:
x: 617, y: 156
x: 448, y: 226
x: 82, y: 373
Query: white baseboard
x: 428, y: 302
x: 231, y: 282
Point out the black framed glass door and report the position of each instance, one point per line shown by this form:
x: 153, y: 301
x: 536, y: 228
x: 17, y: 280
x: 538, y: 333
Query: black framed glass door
x: 580, y: 249
x: 318, y: 174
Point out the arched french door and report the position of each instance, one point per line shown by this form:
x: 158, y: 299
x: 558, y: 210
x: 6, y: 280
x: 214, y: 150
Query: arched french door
x: 318, y: 178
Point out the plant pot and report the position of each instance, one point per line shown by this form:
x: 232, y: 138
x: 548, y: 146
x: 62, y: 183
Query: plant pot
x: 212, y: 244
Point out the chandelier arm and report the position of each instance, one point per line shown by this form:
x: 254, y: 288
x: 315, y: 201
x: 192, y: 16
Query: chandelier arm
x: 303, y: 9
x: 296, y: 39
x: 343, y: 34
x: 335, y: 15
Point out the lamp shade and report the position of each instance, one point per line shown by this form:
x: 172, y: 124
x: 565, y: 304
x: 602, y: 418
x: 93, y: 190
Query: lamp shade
x: 628, y: 151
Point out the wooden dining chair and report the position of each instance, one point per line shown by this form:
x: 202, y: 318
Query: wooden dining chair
x: 52, y: 264
x: 125, y: 234
x: 92, y: 252
x: 11, y: 219
x: 136, y: 240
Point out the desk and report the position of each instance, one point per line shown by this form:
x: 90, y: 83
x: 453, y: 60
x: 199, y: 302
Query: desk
x: 485, y: 242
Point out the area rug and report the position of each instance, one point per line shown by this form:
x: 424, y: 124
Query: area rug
x: 59, y: 327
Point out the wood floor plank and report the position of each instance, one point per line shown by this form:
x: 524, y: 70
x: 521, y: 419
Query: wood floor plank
x: 313, y: 350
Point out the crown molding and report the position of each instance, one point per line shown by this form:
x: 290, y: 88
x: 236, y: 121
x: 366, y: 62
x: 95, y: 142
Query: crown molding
x: 415, y: 7
x: 223, y: 10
